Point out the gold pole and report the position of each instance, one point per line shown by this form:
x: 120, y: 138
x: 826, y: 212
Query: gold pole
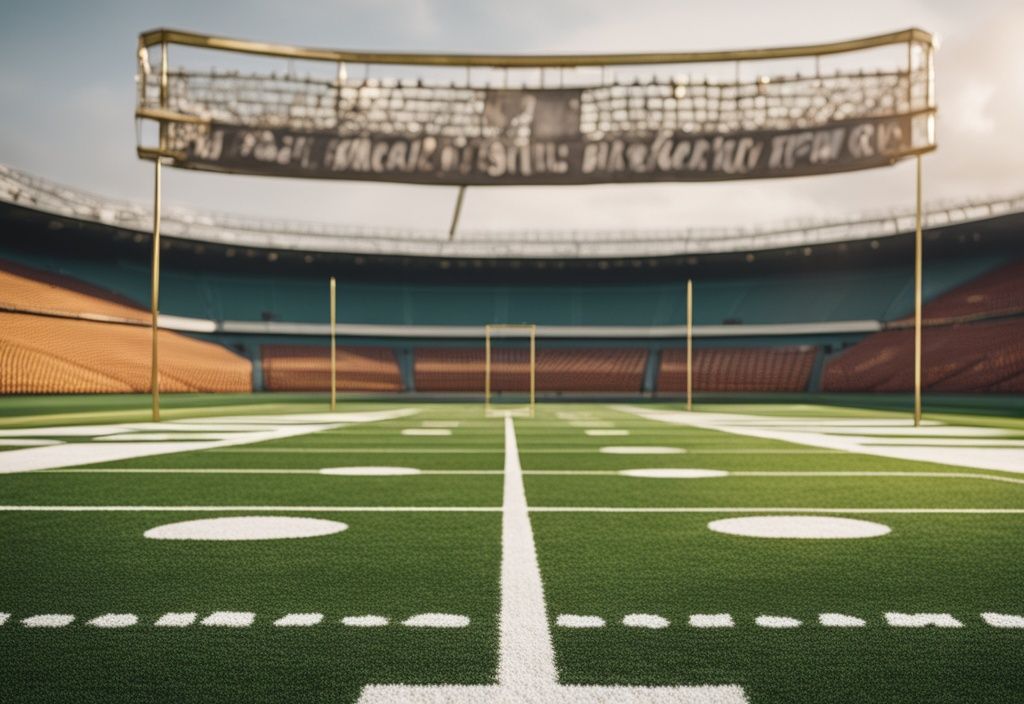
x: 154, y: 381
x: 533, y: 370
x: 334, y: 349
x: 918, y: 246
x: 456, y: 212
x: 689, y: 344
x: 487, y: 368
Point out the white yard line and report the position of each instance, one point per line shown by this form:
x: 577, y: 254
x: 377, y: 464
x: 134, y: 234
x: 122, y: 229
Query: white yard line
x: 119, y: 470
x: 526, y: 657
x: 974, y: 457
x: 275, y: 428
x: 43, y: 508
x: 541, y: 472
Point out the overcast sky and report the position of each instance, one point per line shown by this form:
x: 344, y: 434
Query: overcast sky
x: 67, y: 100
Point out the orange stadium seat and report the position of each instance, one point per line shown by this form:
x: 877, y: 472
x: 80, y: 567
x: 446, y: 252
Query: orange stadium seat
x: 308, y: 368
x: 738, y: 369
x: 40, y: 354
x: 32, y: 290
x: 558, y: 370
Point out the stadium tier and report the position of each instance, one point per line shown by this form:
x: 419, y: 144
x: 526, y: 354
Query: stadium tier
x: 977, y: 357
x: 739, y: 369
x: 308, y: 368
x: 52, y: 340
x: 818, y: 315
x: 562, y: 370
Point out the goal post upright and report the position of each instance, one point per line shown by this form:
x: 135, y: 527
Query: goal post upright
x: 530, y: 330
x: 689, y: 344
x: 334, y: 348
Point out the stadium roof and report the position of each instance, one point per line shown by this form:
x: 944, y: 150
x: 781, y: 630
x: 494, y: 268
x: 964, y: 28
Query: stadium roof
x: 24, y: 190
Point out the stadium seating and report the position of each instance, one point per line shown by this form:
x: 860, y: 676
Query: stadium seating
x: 976, y: 357
x: 308, y: 368
x: 997, y: 293
x: 47, y: 347
x: 738, y: 369
x: 41, y: 354
x: 607, y: 370
x: 27, y: 289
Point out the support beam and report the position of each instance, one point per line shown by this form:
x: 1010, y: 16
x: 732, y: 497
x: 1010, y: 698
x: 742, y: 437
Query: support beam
x: 689, y: 344
x: 334, y: 348
x: 154, y: 300
x: 918, y: 257
x: 458, y: 211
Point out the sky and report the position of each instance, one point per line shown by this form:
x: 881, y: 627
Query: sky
x: 67, y: 97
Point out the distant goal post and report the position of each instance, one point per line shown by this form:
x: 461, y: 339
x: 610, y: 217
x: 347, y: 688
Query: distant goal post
x: 493, y: 330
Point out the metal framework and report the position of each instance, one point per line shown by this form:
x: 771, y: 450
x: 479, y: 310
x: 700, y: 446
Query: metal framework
x: 528, y: 329
x: 334, y: 349
x: 658, y: 105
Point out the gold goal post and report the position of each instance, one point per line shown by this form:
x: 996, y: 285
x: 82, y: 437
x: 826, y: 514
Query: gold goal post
x: 510, y: 330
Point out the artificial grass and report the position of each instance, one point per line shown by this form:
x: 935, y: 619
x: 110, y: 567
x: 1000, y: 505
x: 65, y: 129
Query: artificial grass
x: 399, y: 564
x: 612, y: 565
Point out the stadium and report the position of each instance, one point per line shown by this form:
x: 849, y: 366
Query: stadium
x: 282, y: 458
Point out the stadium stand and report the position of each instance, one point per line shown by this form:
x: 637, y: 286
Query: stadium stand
x: 28, y: 289
x: 959, y: 353
x: 738, y: 369
x: 976, y: 357
x: 600, y: 370
x: 308, y: 368
x: 54, y: 339
x: 997, y: 293
x: 42, y: 354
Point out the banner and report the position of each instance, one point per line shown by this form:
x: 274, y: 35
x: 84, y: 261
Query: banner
x: 535, y: 137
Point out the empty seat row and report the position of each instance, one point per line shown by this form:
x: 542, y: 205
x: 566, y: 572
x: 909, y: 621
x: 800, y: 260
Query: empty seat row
x: 308, y: 368
x: 974, y: 357
x: 40, y: 354
x: 738, y: 369
x: 557, y: 369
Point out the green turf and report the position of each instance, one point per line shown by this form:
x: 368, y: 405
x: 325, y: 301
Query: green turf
x: 402, y: 563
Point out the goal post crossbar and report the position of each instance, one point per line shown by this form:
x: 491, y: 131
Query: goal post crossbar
x: 524, y: 330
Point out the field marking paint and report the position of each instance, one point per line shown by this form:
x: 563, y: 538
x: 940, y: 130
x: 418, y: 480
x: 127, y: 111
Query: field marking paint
x: 799, y: 527
x: 364, y: 450
x: 526, y: 656
x: 540, y: 472
x: 498, y: 509
x: 974, y: 456
x: 436, y: 621
x: 427, y: 432
x: 778, y: 622
x: 841, y: 621
x: 48, y: 621
x: 300, y: 620
x: 605, y: 433
x: 230, y: 619
x: 921, y: 620
x: 177, y: 619
x: 1003, y: 620
x: 368, y: 621
x: 577, y: 621
x: 668, y: 473
x: 246, y: 528
x: 275, y: 428
x: 645, y: 621
x: 114, y: 621
x: 711, y: 621
x: 641, y: 450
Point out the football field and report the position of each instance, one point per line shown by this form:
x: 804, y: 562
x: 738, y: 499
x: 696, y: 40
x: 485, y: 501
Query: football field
x: 411, y: 552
